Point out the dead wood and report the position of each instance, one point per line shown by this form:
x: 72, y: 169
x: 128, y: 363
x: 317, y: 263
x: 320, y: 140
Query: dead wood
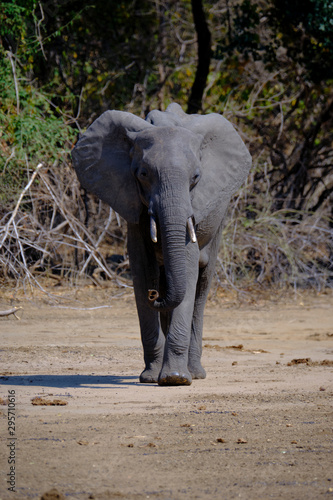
x: 13, y: 311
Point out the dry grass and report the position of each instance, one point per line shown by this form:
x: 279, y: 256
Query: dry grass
x: 276, y: 249
x: 55, y: 231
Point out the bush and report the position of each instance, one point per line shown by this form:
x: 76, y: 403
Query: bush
x: 32, y: 130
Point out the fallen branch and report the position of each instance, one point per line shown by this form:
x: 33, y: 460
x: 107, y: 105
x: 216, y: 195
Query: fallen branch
x: 10, y: 311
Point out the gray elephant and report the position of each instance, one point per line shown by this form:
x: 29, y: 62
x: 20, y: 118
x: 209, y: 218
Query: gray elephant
x: 171, y: 177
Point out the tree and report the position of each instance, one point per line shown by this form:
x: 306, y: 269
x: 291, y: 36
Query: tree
x: 204, y: 57
x: 280, y: 56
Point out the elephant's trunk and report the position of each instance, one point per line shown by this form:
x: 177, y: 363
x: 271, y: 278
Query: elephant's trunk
x: 173, y: 239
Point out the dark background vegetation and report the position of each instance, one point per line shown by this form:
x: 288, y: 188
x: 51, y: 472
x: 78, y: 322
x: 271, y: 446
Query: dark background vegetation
x: 266, y: 65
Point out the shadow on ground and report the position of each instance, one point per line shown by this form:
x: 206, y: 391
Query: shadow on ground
x: 62, y: 381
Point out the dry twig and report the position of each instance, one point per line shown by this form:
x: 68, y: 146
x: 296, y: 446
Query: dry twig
x: 54, y: 233
x: 13, y: 311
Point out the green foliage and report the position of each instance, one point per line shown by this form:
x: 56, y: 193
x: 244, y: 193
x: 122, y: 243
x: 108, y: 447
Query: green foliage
x: 13, y: 21
x: 243, y: 36
x: 306, y: 28
x: 95, y: 54
x: 31, y: 131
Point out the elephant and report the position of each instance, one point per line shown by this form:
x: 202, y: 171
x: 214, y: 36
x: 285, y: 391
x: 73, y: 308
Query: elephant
x: 171, y: 177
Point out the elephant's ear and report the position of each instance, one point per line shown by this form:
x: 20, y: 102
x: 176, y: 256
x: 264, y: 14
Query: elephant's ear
x: 225, y: 162
x: 102, y: 162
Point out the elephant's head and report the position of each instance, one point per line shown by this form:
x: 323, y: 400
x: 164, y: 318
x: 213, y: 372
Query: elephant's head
x: 180, y: 167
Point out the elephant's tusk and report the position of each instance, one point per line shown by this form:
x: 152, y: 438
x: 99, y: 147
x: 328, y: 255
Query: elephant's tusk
x: 191, y: 230
x: 153, y: 229
x: 153, y: 295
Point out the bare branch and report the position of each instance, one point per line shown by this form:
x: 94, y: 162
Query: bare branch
x: 10, y: 311
x: 6, y: 228
x: 12, y: 62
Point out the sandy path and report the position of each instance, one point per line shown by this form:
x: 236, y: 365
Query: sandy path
x: 256, y: 427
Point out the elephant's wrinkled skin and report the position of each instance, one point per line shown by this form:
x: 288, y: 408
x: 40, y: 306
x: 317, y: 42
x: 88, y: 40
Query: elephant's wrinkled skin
x: 171, y: 177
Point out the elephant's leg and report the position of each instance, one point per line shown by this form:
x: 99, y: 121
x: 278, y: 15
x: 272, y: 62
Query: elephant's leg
x: 175, y: 370
x: 153, y: 341
x: 145, y: 276
x: 206, y: 274
x: 195, y: 351
x: 165, y: 318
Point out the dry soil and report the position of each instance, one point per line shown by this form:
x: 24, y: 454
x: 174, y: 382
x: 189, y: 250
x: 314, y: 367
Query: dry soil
x: 259, y: 426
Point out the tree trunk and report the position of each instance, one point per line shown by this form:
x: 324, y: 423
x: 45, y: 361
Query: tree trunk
x: 204, y: 55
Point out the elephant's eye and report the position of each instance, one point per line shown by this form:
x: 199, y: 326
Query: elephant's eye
x: 142, y: 174
x: 195, y: 180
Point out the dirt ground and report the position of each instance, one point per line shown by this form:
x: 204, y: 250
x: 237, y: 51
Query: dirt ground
x: 258, y: 427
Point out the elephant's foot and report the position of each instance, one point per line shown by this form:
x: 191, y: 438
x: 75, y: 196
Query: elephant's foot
x: 149, y: 376
x: 174, y: 378
x: 151, y: 372
x: 174, y: 370
x: 153, y: 361
x: 196, y: 370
